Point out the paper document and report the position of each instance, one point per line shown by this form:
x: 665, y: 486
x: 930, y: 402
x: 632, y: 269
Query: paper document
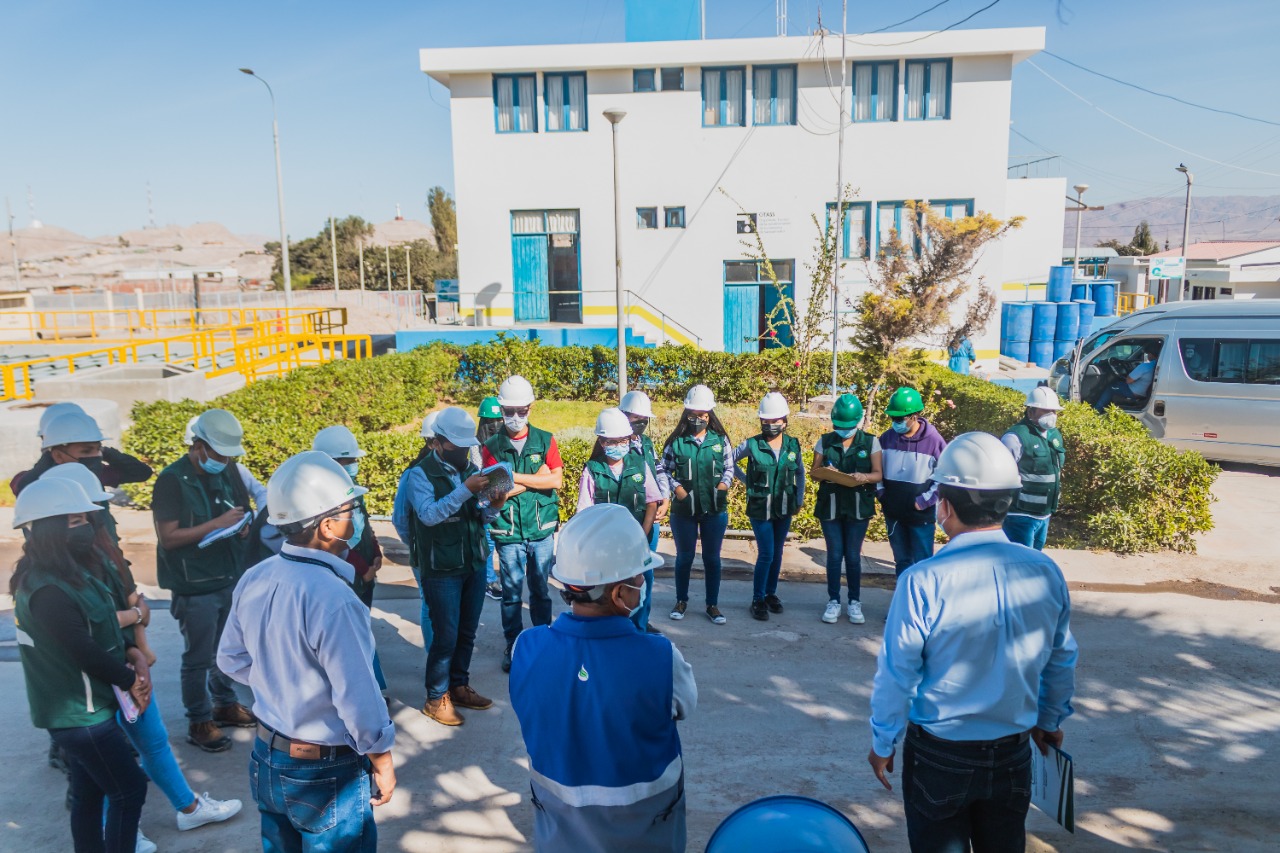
x: 224, y: 532
x: 128, y: 707
x: 1053, y: 783
x: 500, y: 481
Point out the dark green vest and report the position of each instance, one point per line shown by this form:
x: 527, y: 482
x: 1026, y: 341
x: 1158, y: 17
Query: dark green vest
x: 844, y: 502
x: 771, y: 482
x: 1041, y: 468
x: 59, y: 694
x: 365, y: 549
x: 698, y: 468
x: 533, y: 514
x: 192, y: 570
x: 627, y: 489
x: 456, y: 545
x: 649, y: 454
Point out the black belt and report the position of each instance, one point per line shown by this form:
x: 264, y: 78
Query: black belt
x: 1008, y: 740
x: 300, y: 748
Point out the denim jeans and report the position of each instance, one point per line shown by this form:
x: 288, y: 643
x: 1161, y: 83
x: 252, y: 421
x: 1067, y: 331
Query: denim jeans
x: 149, y: 738
x: 518, y: 561
x: 490, y: 573
x: 910, y: 543
x: 456, y: 603
x: 1026, y: 530
x: 770, y: 537
x: 641, y: 616
x: 844, y: 538
x: 1118, y: 393
x: 686, y: 531
x: 102, y: 769
x: 201, y: 619
x: 315, y: 805
x: 424, y: 614
x: 957, y: 793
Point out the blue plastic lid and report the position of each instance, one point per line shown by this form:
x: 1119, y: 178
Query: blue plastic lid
x: 787, y: 824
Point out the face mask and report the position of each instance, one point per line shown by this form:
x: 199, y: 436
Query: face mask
x: 457, y: 458
x: 640, y: 603
x: 901, y: 427
x: 939, y: 523
x: 352, y: 469
x: 616, y: 452
x: 515, y: 423
x: 772, y: 430
x: 93, y: 463
x: 357, y: 528
x: 212, y: 466
x: 638, y: 427
x: 846, y: 433
x: 698, y: 424
x: 80, y: 540
x: 1047, y: 421
x: 488, y: 430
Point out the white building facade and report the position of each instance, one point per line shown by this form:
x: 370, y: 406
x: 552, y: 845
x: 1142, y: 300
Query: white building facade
x: 721, y: 136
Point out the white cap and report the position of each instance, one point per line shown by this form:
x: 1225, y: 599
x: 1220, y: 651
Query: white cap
x: 516, y: 391
x: 81, y: 476
x: 700, y: 399
x: 54, y: 411
x: 977, y: 460
x: 429, y: 425
x: 636, y: 403
x: 602, y: 543
x: 1043, y: 397
x: 613, y: 423
x: 219, y: 429
x: 47, y: 498
x: 773, y: 406
x: 70, y: 428
x: 338, y: 442
x: 306, y: 486
x: 457, y: 427
x: 189, y: 437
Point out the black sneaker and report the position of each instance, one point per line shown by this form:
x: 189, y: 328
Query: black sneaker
x: 758, y: 610
x: 494, y: 591
x: 506, y: 658
x: 649, y: 629
x: 773, y: 603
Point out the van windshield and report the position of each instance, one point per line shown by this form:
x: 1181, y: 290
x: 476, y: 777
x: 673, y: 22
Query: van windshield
x: 1121, y: 374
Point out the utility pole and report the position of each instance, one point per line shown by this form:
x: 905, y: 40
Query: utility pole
x: 840, y: 213
x: 615, y: 116
x: 1075, y: 260
x: 408, y: 270
x: 360, y: 244
x: 333, y: 241
x: 1186, y: 232
x: 13, y: 246
x: 388, y: 268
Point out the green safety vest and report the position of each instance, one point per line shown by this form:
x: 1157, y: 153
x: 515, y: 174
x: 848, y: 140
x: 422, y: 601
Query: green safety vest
x: 771, y: 481
x: 845, y: 502
x: 59, y: 694
x: 1041, y: 468
x: 650, y: 455
x: 533, y: 514
x: 627, y: 489
x: 364, y: 548
x: 698, y: 468
x: 192, y: 570
x: 456, y: 545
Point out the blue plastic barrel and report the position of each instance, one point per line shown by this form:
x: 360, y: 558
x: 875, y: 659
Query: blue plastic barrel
x: 1063, y: 348
x: 1086, y: 317
x: 1044, y: 320
x: 1079, y: 291
x: 1068, y: 325
x: 1059, y: 287
x: 1041, y: 353
x: 1017, y: 350
x: 1104, y: 296
x: 1018, y: 327
x: 786, y: 824
x: 1004, y: 320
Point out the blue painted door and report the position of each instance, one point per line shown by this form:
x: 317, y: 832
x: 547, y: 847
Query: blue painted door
x: 741, y: 317
x: 530, y: 277
x: 783, y: 328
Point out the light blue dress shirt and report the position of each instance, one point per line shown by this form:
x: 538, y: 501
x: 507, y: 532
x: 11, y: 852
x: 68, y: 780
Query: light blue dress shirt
x: 977, y: 645
x: 415, y: 496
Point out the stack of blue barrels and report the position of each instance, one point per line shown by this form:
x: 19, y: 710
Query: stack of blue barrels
x: 1042, y: 332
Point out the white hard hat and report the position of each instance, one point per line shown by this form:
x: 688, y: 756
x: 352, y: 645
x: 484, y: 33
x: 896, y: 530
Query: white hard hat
x: 636, y: 403
x: 516, y: 391
x: 219, y: 429
x: 700, y: 399
x: 613, y: 423
x: 457, y: 427
x: 308, y: 485
x: 338, y: 442
x: 977, y: 460
x: 429, y: 425
x: 188, y: 436
x: 602, y: 543
x: 1043, y: 397
x: 47, y: 498
x: 70, y: 428
x: 773, y: 406
x: 54, y: 411
x: 81, y: 476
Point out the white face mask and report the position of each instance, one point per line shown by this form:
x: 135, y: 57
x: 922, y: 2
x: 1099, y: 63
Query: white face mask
x: 1048, y: 421
x: 515, y: 423
x: 643, y: 594
x: 941, y: 524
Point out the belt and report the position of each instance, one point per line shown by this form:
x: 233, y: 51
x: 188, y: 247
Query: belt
x: 1008, y: 740
x: 300, y: 748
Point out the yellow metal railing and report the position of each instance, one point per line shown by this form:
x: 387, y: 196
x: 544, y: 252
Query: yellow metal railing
x: 1127, y: 303
x: 128, y: 324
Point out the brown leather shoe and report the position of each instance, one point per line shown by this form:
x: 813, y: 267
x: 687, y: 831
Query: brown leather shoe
x: 208, y: 737
x: 236, y: 715
x: 465, y: 697
x: 442, y: 711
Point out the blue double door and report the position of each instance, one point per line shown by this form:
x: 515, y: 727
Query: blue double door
x: 751, y: 298
x: 545, y: 271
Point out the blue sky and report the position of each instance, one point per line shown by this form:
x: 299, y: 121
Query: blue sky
x: 98, y: 99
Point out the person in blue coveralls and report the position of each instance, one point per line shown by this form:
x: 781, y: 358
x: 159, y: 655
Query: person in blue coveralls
x: 598, y: 701
x: 960, y: 355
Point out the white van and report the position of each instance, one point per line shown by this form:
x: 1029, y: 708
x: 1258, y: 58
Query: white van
x: 1200, y: 376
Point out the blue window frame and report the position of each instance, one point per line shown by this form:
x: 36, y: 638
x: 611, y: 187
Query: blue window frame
x: 566, y: 101
x: 673, y: 217
x: 928, y: 90
x: 773, y: 93
x: 891, y: 216
x: 643, y: 80
x: 723, y: 97
x: 673, y: 79
x: 856, y: 240
x: 514, y: 103
x: 646, y: 218
x: 951, y: 208
x: 875, y: 91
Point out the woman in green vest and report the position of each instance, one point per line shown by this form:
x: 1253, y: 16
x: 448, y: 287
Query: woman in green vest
x: 847, y: 465
x: 73, y: 654
x: 698, y: 459
x: 774, y: 478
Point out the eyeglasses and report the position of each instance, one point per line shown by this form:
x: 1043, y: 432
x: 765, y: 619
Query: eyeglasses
x: 614, y: 442
x: 511, y: 412
x: 902, y: 419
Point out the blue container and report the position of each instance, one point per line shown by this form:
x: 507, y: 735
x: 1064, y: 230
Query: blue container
x: 1017, y: 350
x: 1059, y: 287
x: 1079, y: 291
x: 1086, y: 317
x: 1044, y: 320
x: 1104, y: 296
x: 1004, y: 320
x: 1041, y: 353
x: 1063, y: 348
x: 786, y: 824
x: 1068, y: 326
x: 1018, y: 327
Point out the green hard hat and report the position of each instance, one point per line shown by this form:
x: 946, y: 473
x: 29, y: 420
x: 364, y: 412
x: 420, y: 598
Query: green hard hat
x: 489, y: 408
x: 847, y: 412
x: 905, y: 401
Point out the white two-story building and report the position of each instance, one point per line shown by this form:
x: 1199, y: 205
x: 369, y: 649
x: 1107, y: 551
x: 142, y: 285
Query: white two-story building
x: 722, y: 136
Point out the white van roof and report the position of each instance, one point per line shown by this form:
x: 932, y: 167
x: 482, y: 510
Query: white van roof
x: 1201, y: 308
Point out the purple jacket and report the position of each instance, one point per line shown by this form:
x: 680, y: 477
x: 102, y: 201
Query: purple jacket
x: 908, y: 464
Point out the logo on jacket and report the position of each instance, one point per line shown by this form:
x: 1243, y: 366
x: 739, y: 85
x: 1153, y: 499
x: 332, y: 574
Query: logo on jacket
x: 637, y: 477
x: 535, y: 457
x: 582, y: 673
x: 791, y: 455
x: 862, y: 454
x: 1055, y: 442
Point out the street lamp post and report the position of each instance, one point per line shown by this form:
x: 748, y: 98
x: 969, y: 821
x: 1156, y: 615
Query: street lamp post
x: 615, y: 116
x: 284, y: 236
x: 1186, y: 231
x: 1079, y: 200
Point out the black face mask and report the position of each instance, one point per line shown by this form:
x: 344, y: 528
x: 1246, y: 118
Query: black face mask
x: 698, y: 424
x: 488, y: 429
x: 458, y: 458
x: 773, y: 430
x: 638, y: 427
x: 93, y: 463
x: 80, y: 541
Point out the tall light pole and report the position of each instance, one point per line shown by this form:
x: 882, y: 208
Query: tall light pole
x: 841, y: 249
x: 1186, y: 230
x: 615, y: 116
x: 1079, y: 200
x: 284, y: 235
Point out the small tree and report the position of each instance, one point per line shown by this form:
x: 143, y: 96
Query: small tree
x: 1142, y: 243
x: 444, y: 220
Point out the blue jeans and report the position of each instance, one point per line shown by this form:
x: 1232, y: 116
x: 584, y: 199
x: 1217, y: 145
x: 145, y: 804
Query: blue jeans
x: 1118, y: 393
x: 517, y: 561
x: 314, y: 805
x: 770, y: 536
x: 102, y: 769
x: 844, y: 538
x: 686, y: 531
x: 424, y: 614
x: 1026, y: 530
x: 910, y: 543
x: 957, y: 793
x: 456, y: 603
x: 641, y: 617
x: 490, y: 573
x: 149, y: 738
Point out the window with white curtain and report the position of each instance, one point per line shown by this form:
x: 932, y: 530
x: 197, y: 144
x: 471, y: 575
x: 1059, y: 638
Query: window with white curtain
x: 562, y: 221
x: 544, y: 222
x: 855, y: 242
x: 514, y: 96
x: 566, y: 97
x: 928, y: 89
x: 773, y: 92
x: 951, y: 208
x: 723, y: 91
x: 891, y: 216
x: 875, y: 91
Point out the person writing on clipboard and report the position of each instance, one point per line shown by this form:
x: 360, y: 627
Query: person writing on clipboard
x: 195, y: 499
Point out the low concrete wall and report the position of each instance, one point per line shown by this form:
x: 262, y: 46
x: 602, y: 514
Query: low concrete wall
x: 127, y: 384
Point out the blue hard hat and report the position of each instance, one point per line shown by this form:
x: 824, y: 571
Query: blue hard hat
x: 787, y: 824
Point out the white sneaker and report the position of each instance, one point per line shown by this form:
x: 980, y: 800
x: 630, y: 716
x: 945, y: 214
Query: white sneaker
x: 145, y: 845
x: 208, y: 810
x: 832, y: 613
x: 855, y: 613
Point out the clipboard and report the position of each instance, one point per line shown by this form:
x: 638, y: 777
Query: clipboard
x: 1053, y: 784
x: 226, y: 532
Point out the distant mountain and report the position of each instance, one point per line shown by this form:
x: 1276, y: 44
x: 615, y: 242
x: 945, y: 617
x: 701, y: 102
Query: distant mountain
x: 1227, y: 217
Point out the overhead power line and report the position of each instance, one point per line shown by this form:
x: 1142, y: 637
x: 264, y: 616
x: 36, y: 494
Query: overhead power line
x: 963, y: 20
x: 909, y: 20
